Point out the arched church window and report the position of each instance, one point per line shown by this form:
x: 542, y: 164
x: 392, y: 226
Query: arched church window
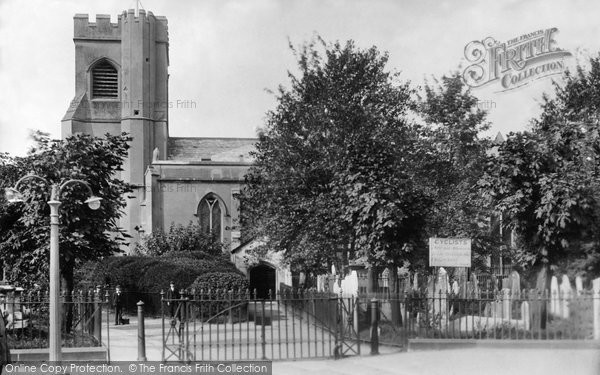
x: 210, y: 215
x: 105, y: 80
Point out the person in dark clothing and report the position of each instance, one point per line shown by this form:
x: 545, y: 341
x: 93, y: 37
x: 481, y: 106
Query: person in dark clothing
x: 118, y: 305
x: 172, y: 294
x: 4, y: 349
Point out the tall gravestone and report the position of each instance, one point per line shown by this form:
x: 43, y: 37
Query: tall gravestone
x: 565, y: 296
x: 473, y: 287
x: 579, y: 285
x: 515, y: 285
x: 537, y: 301
x: 442, y: 289
x: 554, y: 297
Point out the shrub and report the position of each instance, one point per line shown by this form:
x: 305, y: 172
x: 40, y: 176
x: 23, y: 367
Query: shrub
x: 179, y: 238
x: 221, y: 281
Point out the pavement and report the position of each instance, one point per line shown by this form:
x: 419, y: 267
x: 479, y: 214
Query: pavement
x: 465, y: 361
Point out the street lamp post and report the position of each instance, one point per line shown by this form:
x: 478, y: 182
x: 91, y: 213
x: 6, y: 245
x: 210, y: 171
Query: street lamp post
x: 14, y: 195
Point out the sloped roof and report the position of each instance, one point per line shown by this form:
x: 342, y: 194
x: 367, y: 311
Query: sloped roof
x: 214, y: 149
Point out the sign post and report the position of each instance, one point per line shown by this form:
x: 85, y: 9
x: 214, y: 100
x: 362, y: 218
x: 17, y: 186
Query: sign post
x: 449, y: 252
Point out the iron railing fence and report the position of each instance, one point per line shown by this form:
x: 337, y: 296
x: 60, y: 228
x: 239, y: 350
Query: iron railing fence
x: 27, y: 319
x: 492, y: 315
x: 235, y: 325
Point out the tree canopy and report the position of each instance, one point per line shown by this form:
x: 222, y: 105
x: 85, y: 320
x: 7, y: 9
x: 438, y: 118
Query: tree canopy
x: 343, y: 165
x: 545, y: 180
x: 84, y: 234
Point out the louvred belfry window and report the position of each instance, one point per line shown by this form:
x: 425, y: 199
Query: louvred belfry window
x: 105, y: 81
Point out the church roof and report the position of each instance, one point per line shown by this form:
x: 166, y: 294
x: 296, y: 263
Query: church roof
x: 211, y: 149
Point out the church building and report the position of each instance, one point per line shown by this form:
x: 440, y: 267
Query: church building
x: 121, y: 85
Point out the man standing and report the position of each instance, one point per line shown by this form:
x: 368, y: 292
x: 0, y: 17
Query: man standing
x: 118, y: 305
x: 172, y: 295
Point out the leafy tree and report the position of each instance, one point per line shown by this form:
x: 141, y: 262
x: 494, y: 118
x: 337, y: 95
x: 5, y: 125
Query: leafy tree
x: 546, y: 179
x: 339, y: 167
x: 455, y: 124
x: 84, y: 234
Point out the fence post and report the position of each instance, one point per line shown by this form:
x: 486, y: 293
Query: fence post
x: 141, y: 333
x: 596, y: 298
x: 262, y: 330
x: 374, y: 326
x: 98, y: 316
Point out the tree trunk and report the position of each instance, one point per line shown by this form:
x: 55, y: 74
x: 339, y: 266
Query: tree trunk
x: 372, y: 280
x: 68, y: 281
x: 395, y: 296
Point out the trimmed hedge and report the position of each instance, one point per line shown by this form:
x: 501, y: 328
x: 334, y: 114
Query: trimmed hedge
x: 153, y: 274
x: 220, y: 281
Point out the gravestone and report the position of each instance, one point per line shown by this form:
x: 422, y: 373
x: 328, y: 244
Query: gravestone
x: 515, y: 285
x: 579, y: 285
x: 461, y: 277
x: 473, y: 287
x: 538, y: 305
x: 596, y: 307
x: 488, y: 309
x: 565, y: 296
x: 455, y: 288
x: 506, y: 304
x: 442, y: 288
x: 416, y: 281
x: 554, y: 297
x: 525, y: 315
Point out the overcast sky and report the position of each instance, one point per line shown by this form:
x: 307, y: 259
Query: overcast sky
x: 224, y: 54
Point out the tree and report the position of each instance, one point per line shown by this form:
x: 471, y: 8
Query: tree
x: 339, y: 167
x: 546, y: 179
x: 455, y: 124
x: 84, y: 234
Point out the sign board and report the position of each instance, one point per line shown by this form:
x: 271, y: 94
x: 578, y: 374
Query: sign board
x: 450, y: 252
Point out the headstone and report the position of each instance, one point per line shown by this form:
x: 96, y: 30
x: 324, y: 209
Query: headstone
x: 474, y: 286
x: 442, y: 286
x: 515, y: 285
x: 565, y: 296
x: 506, y: 283
x: 461, y: 276
x: 416, y: 281
x: 506, y: 304
x: 554, y: 297
x: 455, y: 288
x: 488, y: 309
x: 525, y: 315
x: 579, y: 285
x: 596, y: 307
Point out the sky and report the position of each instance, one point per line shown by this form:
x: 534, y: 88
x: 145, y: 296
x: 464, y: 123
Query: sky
x: 225, y: 55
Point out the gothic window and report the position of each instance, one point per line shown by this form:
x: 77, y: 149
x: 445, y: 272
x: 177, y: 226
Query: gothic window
x: 210, y: 215
x: 105, y: 80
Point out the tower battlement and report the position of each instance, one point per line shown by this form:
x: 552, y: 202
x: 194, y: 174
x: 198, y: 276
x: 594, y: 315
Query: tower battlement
x: 104, y: 29
x: 101, y: 29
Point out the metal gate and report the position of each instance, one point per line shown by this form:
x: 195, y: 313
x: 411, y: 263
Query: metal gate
x: 228, y: 325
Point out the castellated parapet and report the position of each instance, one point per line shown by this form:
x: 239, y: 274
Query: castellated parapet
x: 104, y: 29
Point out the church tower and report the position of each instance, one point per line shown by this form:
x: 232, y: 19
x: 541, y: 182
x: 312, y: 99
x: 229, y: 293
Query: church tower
x: 121, y: 85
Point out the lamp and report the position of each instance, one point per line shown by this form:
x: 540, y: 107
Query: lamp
x: 13, y: 195
x: 93, y: 203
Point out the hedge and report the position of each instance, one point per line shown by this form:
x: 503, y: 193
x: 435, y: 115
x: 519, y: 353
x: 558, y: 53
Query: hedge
x: 220, y: 282
x: 143, y: 277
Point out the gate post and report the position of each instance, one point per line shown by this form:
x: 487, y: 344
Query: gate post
x: 141, y: 333
x: 98, y: 315
x: 374, y: 327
